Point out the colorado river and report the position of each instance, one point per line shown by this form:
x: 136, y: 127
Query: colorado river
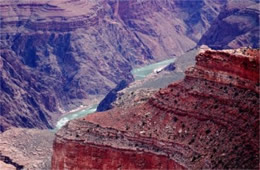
x: 138, y: 73
x: 74, y: 115
x: 141, y: 73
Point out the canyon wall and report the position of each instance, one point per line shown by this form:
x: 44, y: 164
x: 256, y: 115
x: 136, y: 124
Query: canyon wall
x: 209, y: 120
x: 236, y: 26
x: 57, y: 55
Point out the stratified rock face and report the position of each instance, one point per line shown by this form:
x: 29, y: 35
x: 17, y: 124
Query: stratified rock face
x: 105, y: 148
x: 209, y: 120
x: 53, y: 57
x: 59, y: 54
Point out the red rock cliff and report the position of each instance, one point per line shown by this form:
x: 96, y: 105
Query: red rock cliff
x: 209, y: 120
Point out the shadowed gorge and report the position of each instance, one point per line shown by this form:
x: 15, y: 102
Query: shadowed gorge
x: 58, y: 55
x: 129, y: 84
x: 209, y: 120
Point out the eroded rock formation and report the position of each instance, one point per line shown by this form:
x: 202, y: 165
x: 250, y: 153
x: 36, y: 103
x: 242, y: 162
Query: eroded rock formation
x: 236, y: 26
x: 29, y: 149
x: 208, y: 120
x: 59, y: 54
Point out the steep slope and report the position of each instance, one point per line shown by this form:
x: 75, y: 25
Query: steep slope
x: 236, y: 26
x: 141, y: 89
x: 55, y: 55
x: 26, y: 149
x: 58, y: 54
x: 105, y: 104
x: 209, y: 120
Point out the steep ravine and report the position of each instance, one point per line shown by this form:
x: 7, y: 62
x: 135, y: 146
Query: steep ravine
x: 59, y: 54
x: 105, y: 104
x: 209, y: 120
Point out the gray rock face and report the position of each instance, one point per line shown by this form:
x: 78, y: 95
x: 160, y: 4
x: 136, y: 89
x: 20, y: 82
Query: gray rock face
x: 236, y: 26
x: 57, y: 55
x: 29, y: 149
x: 67, y: 58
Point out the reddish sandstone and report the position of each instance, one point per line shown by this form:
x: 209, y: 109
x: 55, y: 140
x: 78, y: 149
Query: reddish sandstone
x: 209, y: 120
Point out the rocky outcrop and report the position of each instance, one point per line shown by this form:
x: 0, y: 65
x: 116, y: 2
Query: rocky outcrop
x: 26, y: 149
x: 58, y: 54
x: 6, y: 161
x: 106, y: 103
x: 209, y: 120
x: 55, y: 58
x: 25, y: 100
x: 162, y: 77
x: 236, y: 26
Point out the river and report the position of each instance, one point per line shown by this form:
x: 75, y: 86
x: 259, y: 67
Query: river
x: 142, y: 72
x: 138, y: 73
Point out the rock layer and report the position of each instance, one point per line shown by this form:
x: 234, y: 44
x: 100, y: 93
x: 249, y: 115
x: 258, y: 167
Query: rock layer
x: 59, y: 54
x: 208, y: 120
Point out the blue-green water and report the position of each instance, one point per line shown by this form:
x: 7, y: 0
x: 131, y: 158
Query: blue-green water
x: 141, y: 73
x: 75, y: 115
x: 138, y: 73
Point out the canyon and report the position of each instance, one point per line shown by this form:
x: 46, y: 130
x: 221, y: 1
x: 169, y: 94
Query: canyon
x: 58, y: 55
x: 60, y: 58
x: 237, y: 26
x: 208, y: 120
x: 17, y: 144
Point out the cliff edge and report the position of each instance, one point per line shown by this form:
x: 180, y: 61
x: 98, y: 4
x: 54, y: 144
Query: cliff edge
x: 209, y: 120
